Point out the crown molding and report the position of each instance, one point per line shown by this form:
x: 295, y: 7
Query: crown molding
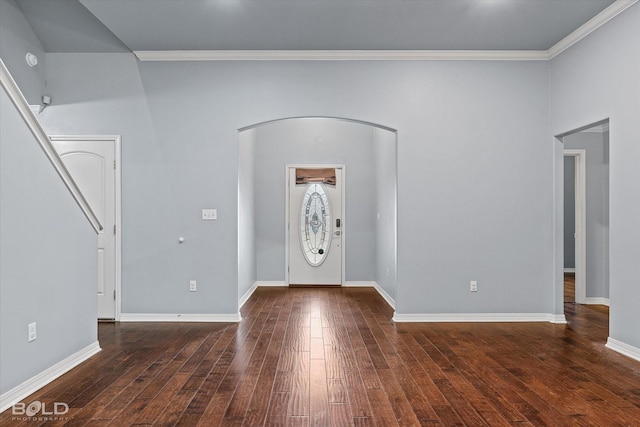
x: 583, y: 31
x: 615, y: 9
x: 341, y: 55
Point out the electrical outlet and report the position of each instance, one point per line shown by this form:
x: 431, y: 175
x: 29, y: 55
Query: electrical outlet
x: 473, y: 286
x: 32, y: 332
x: 209, y: 214
x: 193, y: 285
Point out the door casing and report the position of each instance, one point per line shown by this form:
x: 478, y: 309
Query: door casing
x: 580, y: 222
x: 287, y: 231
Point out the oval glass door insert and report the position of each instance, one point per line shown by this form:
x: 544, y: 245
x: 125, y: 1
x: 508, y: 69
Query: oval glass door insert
x: 315, y: 225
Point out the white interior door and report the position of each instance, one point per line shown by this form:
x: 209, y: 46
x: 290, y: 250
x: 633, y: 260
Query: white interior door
x: 91, y: 164
x: 316, y: 225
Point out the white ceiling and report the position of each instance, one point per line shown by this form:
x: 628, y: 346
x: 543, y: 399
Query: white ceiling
x: 138, y: 25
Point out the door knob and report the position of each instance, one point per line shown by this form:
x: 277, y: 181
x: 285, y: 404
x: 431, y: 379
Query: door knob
x: 337, y: 233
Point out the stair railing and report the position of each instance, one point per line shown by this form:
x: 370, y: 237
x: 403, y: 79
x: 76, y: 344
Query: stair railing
x: 21, y: 104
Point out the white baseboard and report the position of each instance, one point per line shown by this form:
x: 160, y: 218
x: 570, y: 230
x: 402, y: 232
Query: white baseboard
x: 175, y: 317
x: 622, y: 348
x: 273, y: 283
x: 557, y: 318
x: 569, y: 270
x: 480, y: 317
x: 386, y: 296
x: 262, y: 283
x: 347, y: 284
x: 34, y: 384
x: 247, y: 295
x: 597, y: 301
x: 360, y: 284
x: 372, y: 284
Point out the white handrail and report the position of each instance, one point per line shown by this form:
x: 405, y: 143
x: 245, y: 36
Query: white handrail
x: 21, y: 104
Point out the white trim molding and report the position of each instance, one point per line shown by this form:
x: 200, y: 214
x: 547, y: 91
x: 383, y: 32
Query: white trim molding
x: 341, y: 55
x: 580, y: 182
x: 615, y: 9
x: 622, y: 348
x: 597, y: 301
x: 260, y: 284
x: 177, y: 317
x: 348, y: 284
x: 272, y: 283
x: 34, y: 384
x: 569, y: 270
x: 479, y: 317
x: 243, y: 300
x: 385, y: 296
x: 360, y: 284
x: 559, y: 319
x: 376, y: 286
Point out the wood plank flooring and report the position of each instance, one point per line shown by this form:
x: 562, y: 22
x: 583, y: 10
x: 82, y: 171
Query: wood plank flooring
x: 333, y: 357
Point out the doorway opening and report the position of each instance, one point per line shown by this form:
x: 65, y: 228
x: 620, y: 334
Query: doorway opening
x: 575, y: 223
x: 368, y: 225
x: 586, y: 215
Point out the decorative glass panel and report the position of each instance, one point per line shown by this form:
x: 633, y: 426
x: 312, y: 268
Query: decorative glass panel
x: 315, y: 225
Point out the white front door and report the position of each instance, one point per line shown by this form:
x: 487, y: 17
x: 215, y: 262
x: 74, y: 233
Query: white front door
x: 91, y: 164
x: 316, y: 224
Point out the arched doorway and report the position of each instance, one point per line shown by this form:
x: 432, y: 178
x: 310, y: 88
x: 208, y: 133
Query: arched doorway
x: 368, y: 152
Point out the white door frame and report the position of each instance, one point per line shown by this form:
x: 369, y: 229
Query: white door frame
x: 287, y: 231
x: 115, y: 139
x: 580, y: 156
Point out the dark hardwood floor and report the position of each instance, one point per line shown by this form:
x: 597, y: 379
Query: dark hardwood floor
x: 333, y: 357
x: 569, y: 288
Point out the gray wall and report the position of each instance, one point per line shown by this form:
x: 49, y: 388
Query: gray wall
x: 47, y: 259
x: 315, y: 141
x: 247, y: 265
x: 594, y: 80
x: 569, y: 212
x: 461, y: 213
x: 175, y: 162
x: 596, y: 145
x: 16, y: 39
x: 386, y: 222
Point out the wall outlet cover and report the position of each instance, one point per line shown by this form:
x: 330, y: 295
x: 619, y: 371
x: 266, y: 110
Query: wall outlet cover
x: 33, y: 334
x: 209, y: 214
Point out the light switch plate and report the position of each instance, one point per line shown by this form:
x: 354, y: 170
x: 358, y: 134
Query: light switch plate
x: 209, y: 214
x: 32, y: 332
